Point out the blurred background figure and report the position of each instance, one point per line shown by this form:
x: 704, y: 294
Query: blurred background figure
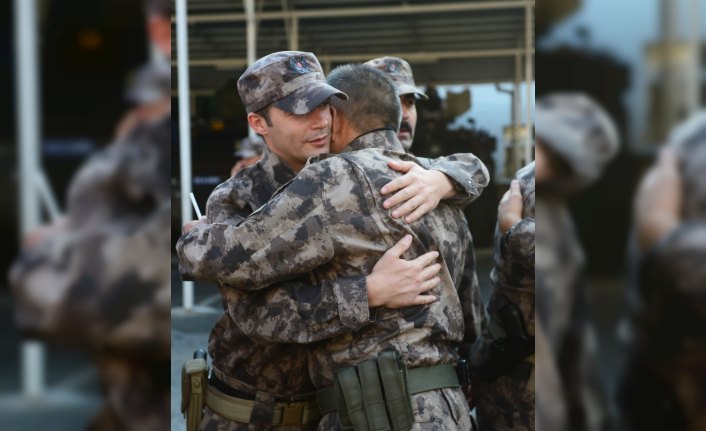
x: 401, y: 74
x: 663, y: 385
x: 248, y: 152
x: 98, y: 279
x: 575, y: 141
x: 648, y: 72
x: 504, y: 355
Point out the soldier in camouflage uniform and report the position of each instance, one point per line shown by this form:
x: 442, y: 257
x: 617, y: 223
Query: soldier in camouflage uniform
x: 100, y: 280
x: 575, y: 140
x: 330, y: 220
x: 401, y: 74
x: 308, y: 307
x: 664, y: 383
x: 505, y: 394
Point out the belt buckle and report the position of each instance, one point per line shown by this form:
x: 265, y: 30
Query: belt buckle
x: 293, y: 413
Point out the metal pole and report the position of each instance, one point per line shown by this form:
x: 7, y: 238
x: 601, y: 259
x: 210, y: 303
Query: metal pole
x: 669, y: 83
x: 294, y: 35
x: 28, y: 131
x: 184, y: 129
x: 529, y: 75
x: 48, y: 197
x: 517, y: 117
x: 251, y: 41
x: 250, y: 30
x: 695, y: 93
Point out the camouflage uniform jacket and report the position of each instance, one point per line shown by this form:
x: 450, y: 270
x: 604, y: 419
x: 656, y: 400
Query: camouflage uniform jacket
x: 111, y: 265
x: 507, y: 403
x: 309, y: 307
x: 670, y: 347
x: 665, y: 383
x: 513, y: 274
x: 330, y: 218
x: 563, y: 310
x: 103, y: 284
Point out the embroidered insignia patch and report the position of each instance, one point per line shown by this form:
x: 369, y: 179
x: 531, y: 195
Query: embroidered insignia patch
x: 299, y: 65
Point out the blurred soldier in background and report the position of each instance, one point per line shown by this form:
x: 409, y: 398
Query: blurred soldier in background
x: 503, y: 356
x: 575, y: 139
x: 664, y: 382
x: 248, y: 153
x: 100, y: 279
x: 401, y: 74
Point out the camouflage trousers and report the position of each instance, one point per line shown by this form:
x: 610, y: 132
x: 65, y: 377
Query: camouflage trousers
x: 441, y: 410
x: 505, y: 404
x: 212, y: 421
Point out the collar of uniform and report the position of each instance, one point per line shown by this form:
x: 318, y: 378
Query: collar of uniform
x: 276, y: 168
x: 383, y: 139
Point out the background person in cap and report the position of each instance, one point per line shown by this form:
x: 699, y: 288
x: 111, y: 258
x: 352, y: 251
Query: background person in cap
x: 401, y: 74
x: 101, y: 280
x: 575, y: 140
x: 248, y: 153
x: 664, y: 384
x: 331, y: 220
x: 296, y: 125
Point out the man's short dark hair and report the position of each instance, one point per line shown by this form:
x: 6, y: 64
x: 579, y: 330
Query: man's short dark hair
x: 372, y: 102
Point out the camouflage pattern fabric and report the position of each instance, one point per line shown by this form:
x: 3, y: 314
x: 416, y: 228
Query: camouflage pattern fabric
x: 290, y: 80
x: 103, y: 284
x: 240, y: 362
x: 401, y: 74
x: 314, y: 311
x: 331, y: 216
x: 432, y: 411
x: 664, y: 383
x: 308, y: 307
x: 579, y: 133
x: 507, y: 403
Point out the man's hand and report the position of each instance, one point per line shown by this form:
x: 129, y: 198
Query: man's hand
x: 418, y: 191
x: 658, y: 201
x: 193, y: 223
x: 397, y: 283
x: 510, y: 208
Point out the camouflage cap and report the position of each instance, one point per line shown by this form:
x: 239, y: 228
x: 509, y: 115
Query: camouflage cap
x: 401, y: 74
x: 290, y: 80
x: 689, y: 142
x: 577, y: 130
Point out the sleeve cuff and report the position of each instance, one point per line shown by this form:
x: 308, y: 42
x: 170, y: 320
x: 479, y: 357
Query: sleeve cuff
x: 352, y: 297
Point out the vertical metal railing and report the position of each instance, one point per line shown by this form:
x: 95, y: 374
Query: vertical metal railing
x: 29, y: 127
x: 184, y: 129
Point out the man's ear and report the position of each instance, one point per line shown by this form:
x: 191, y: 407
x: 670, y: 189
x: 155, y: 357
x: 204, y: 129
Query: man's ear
x: 334, y: 120
x: 257, y: 123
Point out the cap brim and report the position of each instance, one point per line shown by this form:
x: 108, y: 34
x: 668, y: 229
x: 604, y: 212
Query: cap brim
x: 305, y: 99
x: 410, y: 89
